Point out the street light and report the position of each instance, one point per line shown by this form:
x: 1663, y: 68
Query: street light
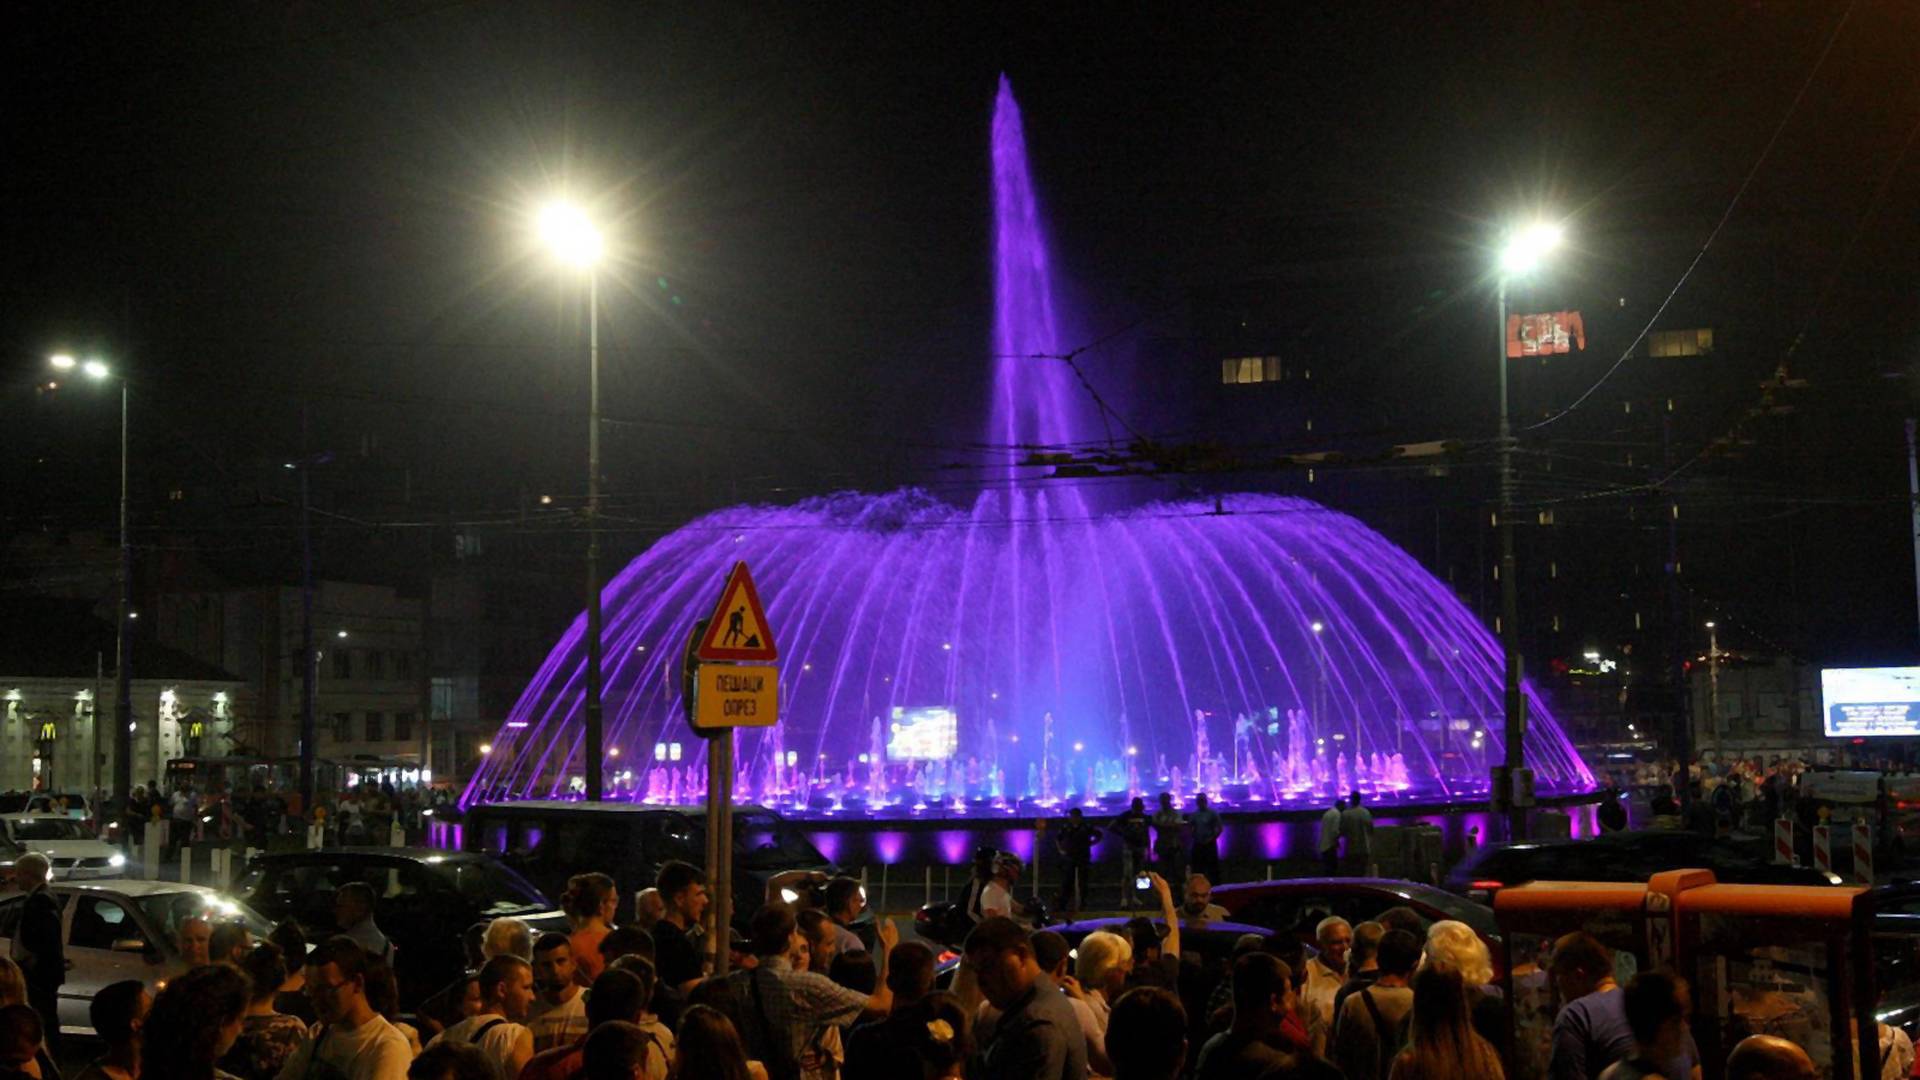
x: 1524, y: 251
x: 574, y: 240
x: 98, y: 371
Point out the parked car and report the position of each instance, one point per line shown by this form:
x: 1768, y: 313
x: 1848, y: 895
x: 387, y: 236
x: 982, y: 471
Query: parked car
x: 124, y: 930
x: 551, y: 840
x: 1296, y: 906
x: 425, y: 900
x: 1628, y: 856
x: 65, y: 803
x: 76, y: 853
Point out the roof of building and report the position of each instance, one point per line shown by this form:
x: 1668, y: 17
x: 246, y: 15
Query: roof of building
x: 58, y: 638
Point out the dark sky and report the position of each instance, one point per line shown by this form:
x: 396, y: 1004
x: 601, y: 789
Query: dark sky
x: 251, y: 206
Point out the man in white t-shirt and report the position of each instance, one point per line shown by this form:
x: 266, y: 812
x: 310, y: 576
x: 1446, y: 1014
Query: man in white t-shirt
x: 560, y: 1012
x: 349, y: 1041
x: 506, y: 996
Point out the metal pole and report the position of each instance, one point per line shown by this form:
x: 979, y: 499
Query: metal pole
x: 309, y: 660
x: 1516, y: 705
x: 594, y: 749
x: 720, y: 841
x: 1713, y: 687
x: 122, y: 654
x: 1913, y: 495
x: 93, y: 715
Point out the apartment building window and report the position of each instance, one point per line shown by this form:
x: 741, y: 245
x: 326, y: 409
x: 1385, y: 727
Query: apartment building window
x: 342, y: 664
x: 376, y: 664
x: 342, y: 727
x: 403, y: 727
x: 1668, y: 343
x: 1251, y: 369
x: 403, y: 665
x: 376, y: 727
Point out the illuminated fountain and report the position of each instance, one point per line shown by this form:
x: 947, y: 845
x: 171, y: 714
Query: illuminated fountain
x: 1034, y: 649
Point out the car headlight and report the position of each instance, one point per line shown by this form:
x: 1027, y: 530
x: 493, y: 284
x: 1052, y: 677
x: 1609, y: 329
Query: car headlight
x: 116, y: 860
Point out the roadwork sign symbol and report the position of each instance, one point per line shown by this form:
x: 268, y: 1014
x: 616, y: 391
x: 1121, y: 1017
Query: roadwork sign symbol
x: 738, y: 630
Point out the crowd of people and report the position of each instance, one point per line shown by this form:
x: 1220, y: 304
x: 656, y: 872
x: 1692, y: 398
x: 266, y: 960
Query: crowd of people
x: 363, y: 814
x: 816, y: 992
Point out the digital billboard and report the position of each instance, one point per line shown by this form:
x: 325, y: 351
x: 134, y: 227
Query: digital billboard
x: 1870, y: 701
x: 929, y: 733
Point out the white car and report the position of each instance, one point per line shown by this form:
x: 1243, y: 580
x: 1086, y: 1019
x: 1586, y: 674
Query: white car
x: 124, y: 930
x: 76, y: 853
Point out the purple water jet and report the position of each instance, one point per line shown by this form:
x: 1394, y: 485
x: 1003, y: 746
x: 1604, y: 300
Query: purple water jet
x: 941, y: 659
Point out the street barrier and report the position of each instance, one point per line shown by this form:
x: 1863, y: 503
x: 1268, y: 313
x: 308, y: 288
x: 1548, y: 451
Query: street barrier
x: 1863, y: 852
x: 1823, y: 848
x: 1783, y: 841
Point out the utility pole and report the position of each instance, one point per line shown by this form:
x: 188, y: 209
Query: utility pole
x: 1713, y: 685
x: 1913, y: 500
x: 1515, y: 712
x: 1682, y: 692
x: 595, y: 750
x: 123, y: 645
x: 309, y: 662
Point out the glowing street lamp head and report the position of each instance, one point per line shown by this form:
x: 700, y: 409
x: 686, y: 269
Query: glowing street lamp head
x: 570, y: 235
x: 61, y: 362
x: 1527, y: 247
x: 96, y: 370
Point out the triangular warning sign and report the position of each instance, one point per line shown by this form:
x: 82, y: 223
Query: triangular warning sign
x: 738, y: 629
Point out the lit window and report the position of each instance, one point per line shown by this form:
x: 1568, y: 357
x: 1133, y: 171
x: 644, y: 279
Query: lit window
x: 1667, y: 343
x: 1251, y: 369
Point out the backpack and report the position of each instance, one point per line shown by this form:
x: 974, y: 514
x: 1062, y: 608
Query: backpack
x: 1390, y: 1039
x: 775, y: 1051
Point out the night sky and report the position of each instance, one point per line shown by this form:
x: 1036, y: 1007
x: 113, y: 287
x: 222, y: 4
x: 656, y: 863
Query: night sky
x: 259, y: 208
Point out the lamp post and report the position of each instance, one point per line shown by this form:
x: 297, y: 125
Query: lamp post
x: 1522, y: 254
x: 575, y: 241
x: 98, y: 371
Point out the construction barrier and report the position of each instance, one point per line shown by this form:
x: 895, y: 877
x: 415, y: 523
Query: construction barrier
x: 1863, y: 852
x: 1823, y: 848
x: 1783, y: 841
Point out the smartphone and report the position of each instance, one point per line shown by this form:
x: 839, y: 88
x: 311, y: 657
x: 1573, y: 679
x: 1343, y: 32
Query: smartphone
x: 1142, y: 882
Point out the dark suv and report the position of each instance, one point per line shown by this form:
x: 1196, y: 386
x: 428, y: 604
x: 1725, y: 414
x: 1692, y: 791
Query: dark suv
x: 550, y: 841
x: 426, y: 900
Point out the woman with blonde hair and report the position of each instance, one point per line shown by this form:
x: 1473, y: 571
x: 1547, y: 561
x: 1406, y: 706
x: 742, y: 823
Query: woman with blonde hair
x: 1444, y: 1045
x: 1106, y: 959
x: 1454, y: 947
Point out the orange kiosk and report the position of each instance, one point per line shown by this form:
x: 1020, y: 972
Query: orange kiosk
x: 1807, y: 963
x: 1632, y: 919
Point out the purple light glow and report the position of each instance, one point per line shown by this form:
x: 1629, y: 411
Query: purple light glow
x: 1264, y: 649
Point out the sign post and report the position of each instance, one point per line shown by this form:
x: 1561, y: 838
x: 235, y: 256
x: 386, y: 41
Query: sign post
x: 729, y: 681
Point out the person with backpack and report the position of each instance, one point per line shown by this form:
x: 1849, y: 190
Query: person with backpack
x: 1374, y: 1021
x: 499, y: 1029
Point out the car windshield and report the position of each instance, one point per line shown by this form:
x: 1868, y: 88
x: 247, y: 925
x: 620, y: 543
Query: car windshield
x: 494, y: 889
x: 766, y: 841
x: 49, y: 828
x: 1477, y: 916
x: 169, y: 909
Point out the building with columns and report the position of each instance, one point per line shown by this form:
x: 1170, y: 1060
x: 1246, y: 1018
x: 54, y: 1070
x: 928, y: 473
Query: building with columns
x: 57, y: 694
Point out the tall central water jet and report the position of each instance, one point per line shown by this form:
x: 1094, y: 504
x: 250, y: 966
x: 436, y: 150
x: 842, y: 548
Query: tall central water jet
x: 941, y: 658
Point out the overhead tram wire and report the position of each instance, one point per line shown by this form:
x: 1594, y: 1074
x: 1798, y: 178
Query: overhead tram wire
x: 1765, y: 152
